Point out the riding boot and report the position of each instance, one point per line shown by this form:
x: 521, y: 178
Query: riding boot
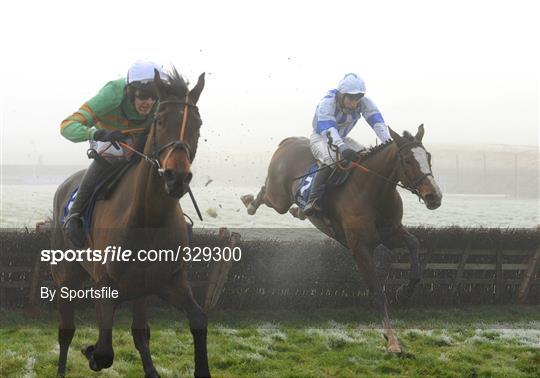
x: 317, y: 190
x: 74, y: 220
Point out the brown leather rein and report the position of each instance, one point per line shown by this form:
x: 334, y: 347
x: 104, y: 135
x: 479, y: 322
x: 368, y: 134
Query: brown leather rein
x: 153, y: 158
x: 413, y: 184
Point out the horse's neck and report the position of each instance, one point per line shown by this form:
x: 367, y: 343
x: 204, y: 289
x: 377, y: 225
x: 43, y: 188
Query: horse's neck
x: 383, y: 163
x: 151, y: 204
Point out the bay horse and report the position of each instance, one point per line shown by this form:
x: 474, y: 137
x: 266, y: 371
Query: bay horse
x: 143, y: 212
x: 364, y: 214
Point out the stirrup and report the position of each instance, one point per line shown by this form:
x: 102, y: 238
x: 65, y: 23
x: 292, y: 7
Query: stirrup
x: 70, y: 216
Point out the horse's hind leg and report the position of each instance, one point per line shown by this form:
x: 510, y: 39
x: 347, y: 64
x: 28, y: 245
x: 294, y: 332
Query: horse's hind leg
x: 251, y: 203
x: 141, y: 336
x: 66, y: 330
x: 70, y: 276
x: 181, y: 297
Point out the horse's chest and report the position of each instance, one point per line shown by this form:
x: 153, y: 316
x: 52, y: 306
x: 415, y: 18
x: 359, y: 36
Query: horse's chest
x: 141, y: 279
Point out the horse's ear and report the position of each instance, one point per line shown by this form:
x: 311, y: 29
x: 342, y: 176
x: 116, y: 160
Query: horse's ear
x: 195, y: 93
x: 158, y: 84
x: 420, y: 134
x: 395, y: 136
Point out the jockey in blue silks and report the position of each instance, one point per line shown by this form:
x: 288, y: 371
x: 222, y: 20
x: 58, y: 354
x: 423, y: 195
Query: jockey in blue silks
x: 335, y: 117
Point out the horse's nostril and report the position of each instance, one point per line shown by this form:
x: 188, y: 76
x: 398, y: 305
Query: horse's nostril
x: 188, y: 177
x: 430, y: 197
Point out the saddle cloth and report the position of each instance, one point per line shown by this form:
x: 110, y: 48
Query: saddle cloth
x: 337, y: 178
x: 102, y: 191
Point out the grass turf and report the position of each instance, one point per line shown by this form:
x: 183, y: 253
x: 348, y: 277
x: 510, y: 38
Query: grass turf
x: 475, y: 341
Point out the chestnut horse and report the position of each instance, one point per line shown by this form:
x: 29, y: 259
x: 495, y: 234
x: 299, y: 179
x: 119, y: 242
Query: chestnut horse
x: 142, y: 213
x: 365, y: 213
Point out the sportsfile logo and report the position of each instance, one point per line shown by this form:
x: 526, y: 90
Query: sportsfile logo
x: 119, y: 254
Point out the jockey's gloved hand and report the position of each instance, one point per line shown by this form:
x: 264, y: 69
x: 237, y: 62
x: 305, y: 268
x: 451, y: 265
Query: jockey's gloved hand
x: 114, y: 136
x: 348, y: 154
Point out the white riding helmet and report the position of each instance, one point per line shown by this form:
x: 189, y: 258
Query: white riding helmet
x: 143, y: 71
x: 352, y: 84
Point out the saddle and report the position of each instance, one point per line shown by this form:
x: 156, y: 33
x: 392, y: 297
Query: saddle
x: 103, y: 190
x: 337, y: 178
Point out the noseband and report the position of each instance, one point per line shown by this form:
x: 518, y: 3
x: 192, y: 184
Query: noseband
x: 153, y: 158
x: 413, y: 184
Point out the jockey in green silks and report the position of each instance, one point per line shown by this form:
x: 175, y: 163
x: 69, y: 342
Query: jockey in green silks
x: 120, y: 105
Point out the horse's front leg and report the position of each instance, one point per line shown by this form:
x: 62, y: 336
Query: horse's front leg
x: 405, y: 291
x: 375, y: 269
x: 101, y: 355
x: 180, y: 296
x: 140, y: 330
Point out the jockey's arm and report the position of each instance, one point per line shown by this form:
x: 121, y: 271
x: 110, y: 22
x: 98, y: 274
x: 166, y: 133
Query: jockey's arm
x: 336, y: 138
x: 329, y: 129
x: 81, y: 125
x: 374, y: 118
x: 78, y: 126
x: 325, y: 121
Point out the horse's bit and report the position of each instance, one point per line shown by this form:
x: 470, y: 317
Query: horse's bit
x: 153, y: 158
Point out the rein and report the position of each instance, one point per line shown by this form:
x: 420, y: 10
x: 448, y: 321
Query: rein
x: 173, y: 145
x: 180, y: 143
x: 413, y: 184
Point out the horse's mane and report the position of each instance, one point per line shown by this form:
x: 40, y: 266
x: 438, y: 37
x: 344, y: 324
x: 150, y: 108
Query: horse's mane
x: 376, y: 149
x: 177, y: 85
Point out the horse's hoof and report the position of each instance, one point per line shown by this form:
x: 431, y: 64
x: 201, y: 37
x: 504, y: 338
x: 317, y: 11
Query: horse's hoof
x: 247, y: 199
x: 103, y: 361
x: 88, y: 352
x: 152, y: 374
x: 205, y: 374
x: 93, y: 365
x: 251, y: 209
x: 394, y: 349
x: 297, y: 213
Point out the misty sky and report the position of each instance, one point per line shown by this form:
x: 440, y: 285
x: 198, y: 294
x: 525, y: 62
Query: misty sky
x: 468, y: 70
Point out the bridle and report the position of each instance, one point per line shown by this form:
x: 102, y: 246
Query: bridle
x: 411, y: 186
x: 175, y: 144
x: 180, y: 143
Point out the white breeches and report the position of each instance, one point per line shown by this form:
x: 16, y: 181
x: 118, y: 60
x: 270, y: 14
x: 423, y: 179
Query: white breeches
x: 321, y: 151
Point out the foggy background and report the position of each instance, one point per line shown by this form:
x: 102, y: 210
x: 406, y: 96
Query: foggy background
x: 467, y: 70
